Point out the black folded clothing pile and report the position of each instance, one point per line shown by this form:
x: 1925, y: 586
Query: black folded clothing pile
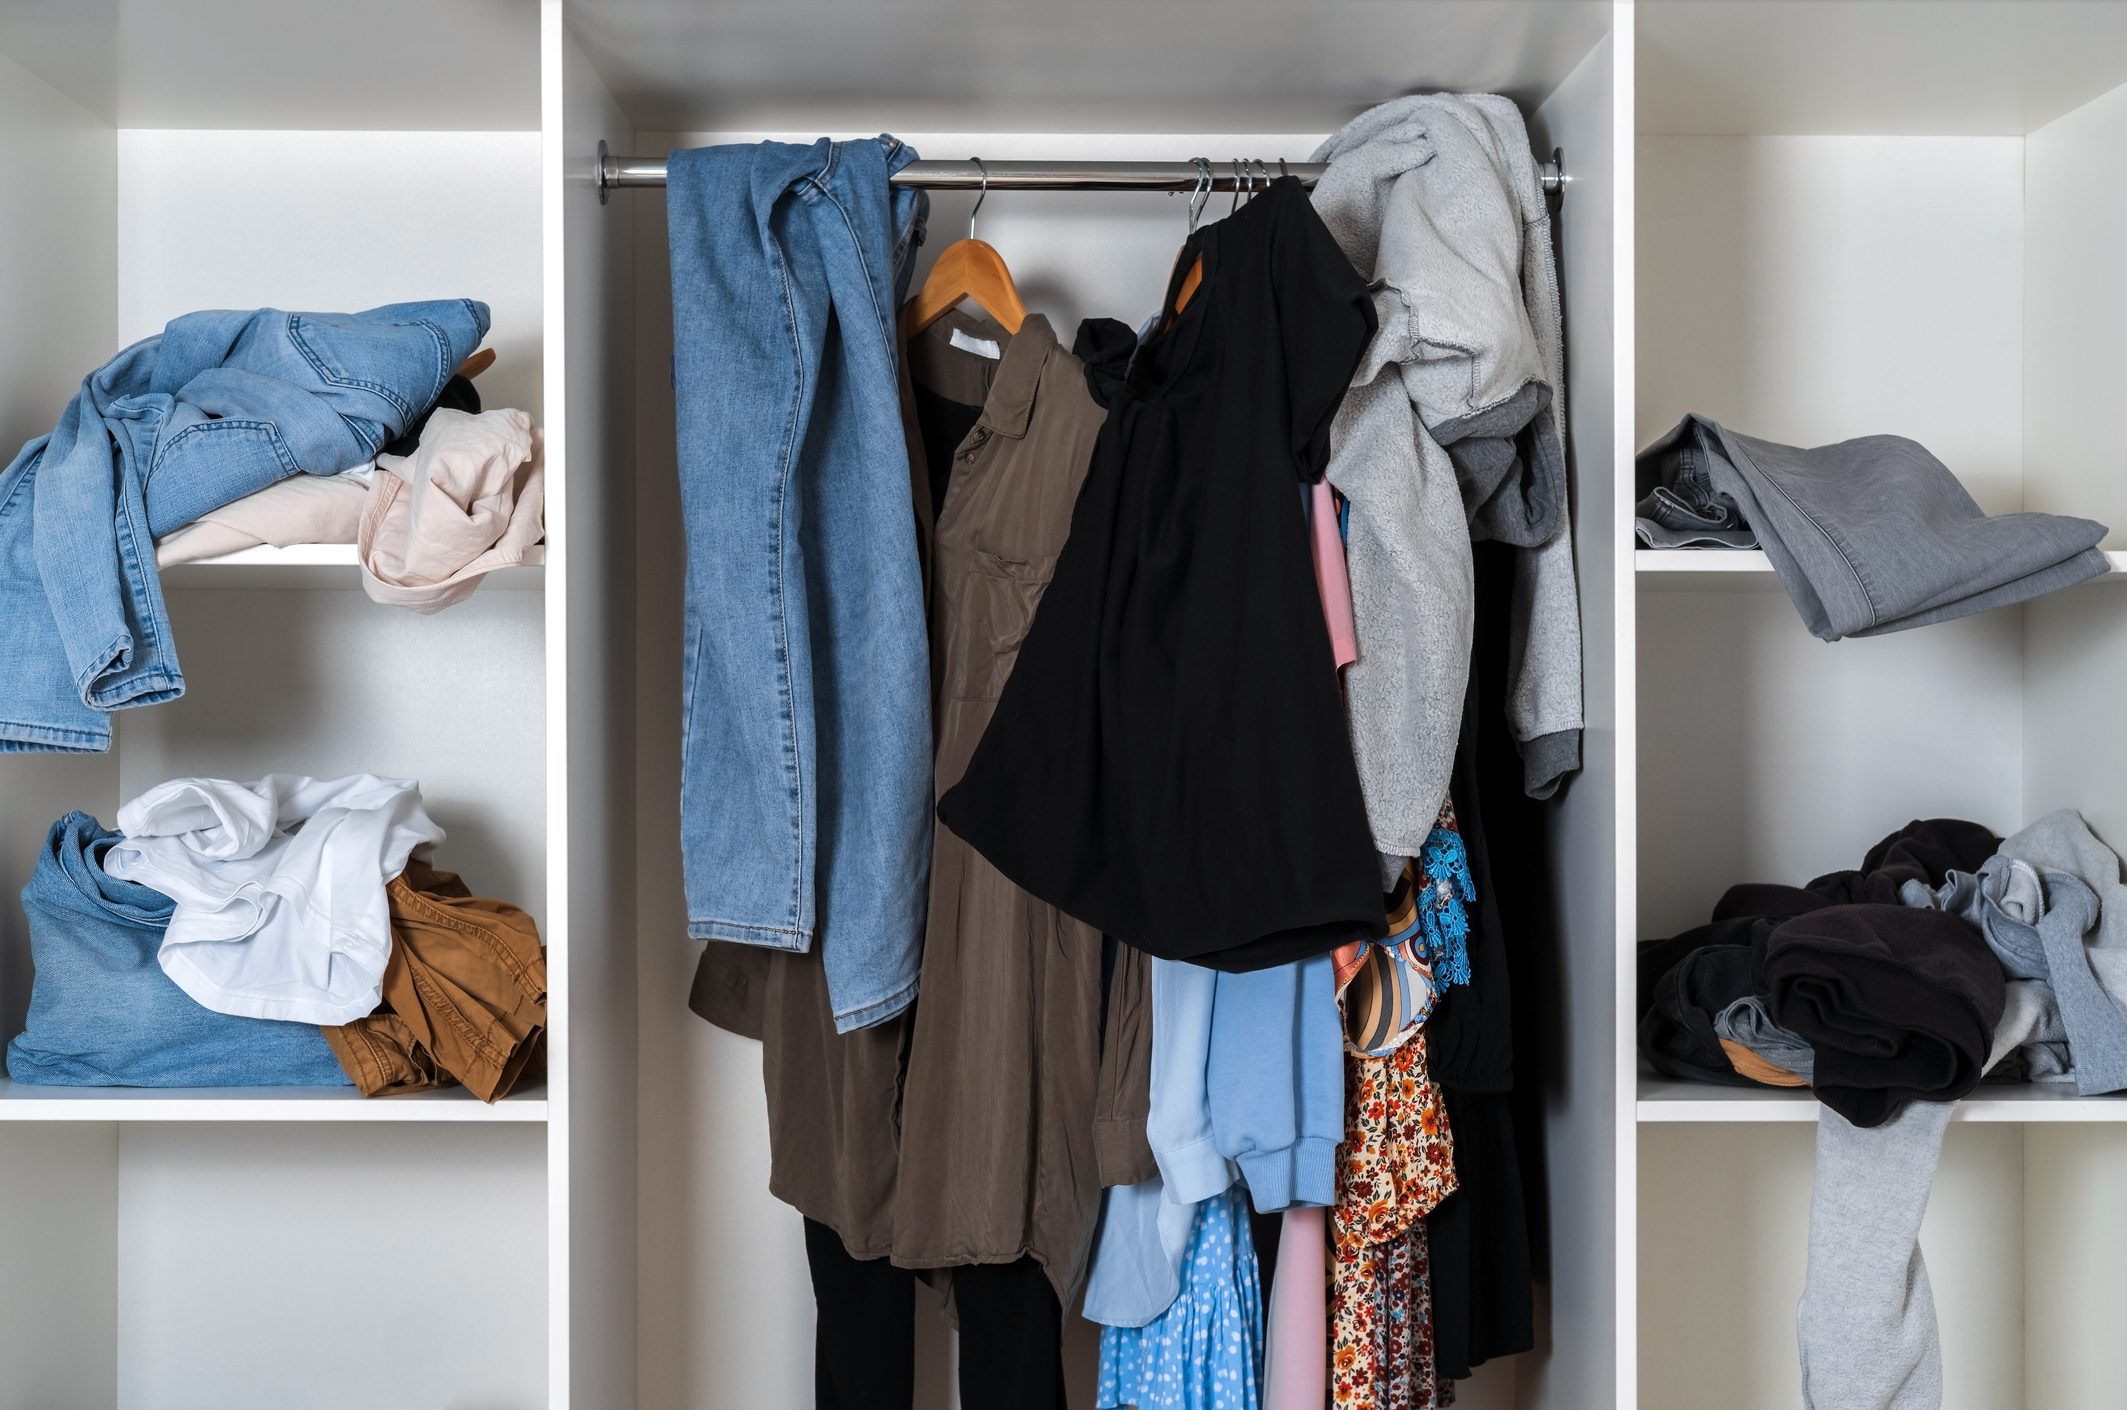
x: 1894, y: 1003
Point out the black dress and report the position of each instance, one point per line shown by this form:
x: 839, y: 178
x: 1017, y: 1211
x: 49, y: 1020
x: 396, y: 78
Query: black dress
x: 1169, y: 760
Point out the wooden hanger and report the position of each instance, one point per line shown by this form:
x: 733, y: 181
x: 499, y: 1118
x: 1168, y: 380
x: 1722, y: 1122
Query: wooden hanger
x: 1190, y: 282
x: 967, y: 269
x: 478, y: 363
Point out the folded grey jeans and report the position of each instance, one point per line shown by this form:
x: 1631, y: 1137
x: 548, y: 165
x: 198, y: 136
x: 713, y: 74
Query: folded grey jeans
x: 1875, y: 534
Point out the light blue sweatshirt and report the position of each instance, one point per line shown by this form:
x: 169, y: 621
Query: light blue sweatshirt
x: 1247, y: 1078
x: 1247, y: 1083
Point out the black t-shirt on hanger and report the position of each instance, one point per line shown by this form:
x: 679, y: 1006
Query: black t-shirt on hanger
x: 1169, y: 760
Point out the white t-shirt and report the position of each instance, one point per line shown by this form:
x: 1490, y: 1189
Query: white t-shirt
x: 279, y: 885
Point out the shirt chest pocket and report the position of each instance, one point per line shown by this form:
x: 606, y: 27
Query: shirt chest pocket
x: 996, y: 606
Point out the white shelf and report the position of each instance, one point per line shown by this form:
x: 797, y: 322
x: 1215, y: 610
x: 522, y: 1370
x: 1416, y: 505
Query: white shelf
x: 1662, y: 1101
x: 323, y: 565
x: 1745, y: 569
x: 19, y: 1102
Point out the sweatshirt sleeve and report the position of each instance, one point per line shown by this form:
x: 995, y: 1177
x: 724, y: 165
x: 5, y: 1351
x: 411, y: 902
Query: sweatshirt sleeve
x: 1544, y: 665
x: 1180, y: 1124
x: 1276, y: 1081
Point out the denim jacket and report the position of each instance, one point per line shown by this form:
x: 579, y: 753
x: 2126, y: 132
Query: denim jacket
x: 217, y: 406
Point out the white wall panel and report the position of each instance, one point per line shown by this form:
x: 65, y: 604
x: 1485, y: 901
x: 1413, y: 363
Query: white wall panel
x: 1724, y: 1224
x: 327, y: 683
x: 590, y: 297
x: 331, y: 1268
x: 59, y: 1267
x: 58, y: 263
x: 2075, y: 360
x: 1768, y: 755
x: 1810, y: 289
x: 335, y: 222
x: 1574, y: 968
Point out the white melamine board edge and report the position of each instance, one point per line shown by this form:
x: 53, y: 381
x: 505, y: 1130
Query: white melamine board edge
x: 19, y: 1102
x: 325, y: 565
x: 1666, y: 1102
x: 1668, y: 568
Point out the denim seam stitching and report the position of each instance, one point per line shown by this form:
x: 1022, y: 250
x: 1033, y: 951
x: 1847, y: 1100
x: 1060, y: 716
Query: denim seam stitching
x: 370, y: 1057
x: 480, y: 935
x: 269, y: 429
x: 786, y: 702
x: 317, y: 364
x: 130, y: 558
x: 879, y: 316
x: 438, y: 1003
x: 863, y: 1015
x: 17, y: 489
x: 750, y: 925
x: 1875, y: 613
x: 43, y: 733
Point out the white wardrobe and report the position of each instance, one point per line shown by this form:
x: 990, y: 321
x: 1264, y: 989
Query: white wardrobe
x: 1808, y: 220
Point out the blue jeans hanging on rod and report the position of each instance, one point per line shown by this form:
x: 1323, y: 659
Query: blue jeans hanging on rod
x: 805, y: 788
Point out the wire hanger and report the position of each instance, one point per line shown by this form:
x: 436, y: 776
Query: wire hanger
x: 1193, y: 279
x: 1201, y: 195
x: 967, y: 269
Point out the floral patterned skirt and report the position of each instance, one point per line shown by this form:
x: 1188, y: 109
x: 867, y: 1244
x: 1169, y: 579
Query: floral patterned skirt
x: 1396, y: 1164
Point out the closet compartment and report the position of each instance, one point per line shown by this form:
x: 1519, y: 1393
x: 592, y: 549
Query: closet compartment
x: 264, y: 1262
x: 281, y: 1246
x: 1857, y: 219
x: 1148, y: 83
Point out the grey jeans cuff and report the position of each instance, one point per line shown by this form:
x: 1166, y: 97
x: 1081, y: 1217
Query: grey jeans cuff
x: 1547, y: 759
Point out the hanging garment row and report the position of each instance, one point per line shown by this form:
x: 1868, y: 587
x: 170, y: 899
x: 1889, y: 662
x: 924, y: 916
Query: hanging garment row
x: 1068, y: 747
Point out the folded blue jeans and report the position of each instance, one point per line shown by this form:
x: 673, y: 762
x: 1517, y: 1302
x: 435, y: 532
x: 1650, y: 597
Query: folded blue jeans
x: 215, y: 407
x: 102, y: 1012
x: 805, y: 783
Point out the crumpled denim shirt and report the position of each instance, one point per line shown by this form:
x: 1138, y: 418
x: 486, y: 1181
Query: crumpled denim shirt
x: 217, y: 406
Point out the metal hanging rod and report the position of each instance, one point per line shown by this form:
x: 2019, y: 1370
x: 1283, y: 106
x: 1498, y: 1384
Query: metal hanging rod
x: 628, y: 173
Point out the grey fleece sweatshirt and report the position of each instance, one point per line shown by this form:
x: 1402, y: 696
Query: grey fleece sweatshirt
x: 1451, y: 431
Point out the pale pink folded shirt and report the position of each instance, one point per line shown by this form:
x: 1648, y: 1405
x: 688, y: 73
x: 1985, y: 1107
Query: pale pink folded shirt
x: 427, y: 527
x: 1331, y: 579
x: 299, y: 509
x: 470, y: 500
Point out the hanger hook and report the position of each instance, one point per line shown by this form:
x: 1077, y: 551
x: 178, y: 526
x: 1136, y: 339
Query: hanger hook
x: 1282, y: 172
x: 1236, y: 205
x: 980, y: 195
x: 1201, y: 192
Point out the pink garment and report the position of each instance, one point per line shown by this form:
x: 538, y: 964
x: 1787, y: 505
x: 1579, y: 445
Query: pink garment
x: 1296, y: 1328
x: 1331, y: 579
x: 469, y: 500
x: 300, y: 509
